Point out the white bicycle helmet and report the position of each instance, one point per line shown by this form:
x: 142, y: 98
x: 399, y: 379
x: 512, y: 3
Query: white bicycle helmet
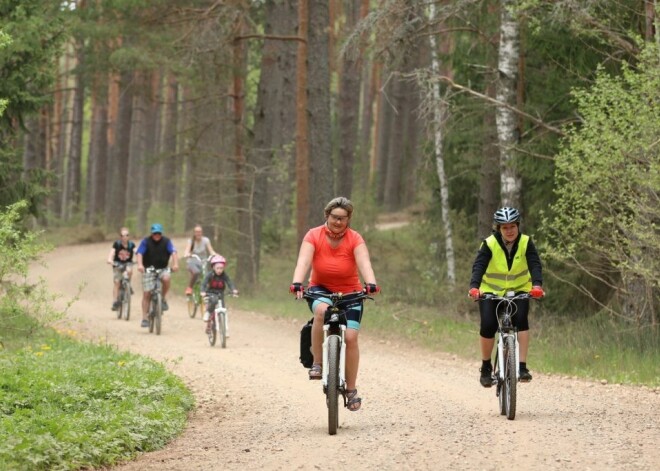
x: 506, y: 215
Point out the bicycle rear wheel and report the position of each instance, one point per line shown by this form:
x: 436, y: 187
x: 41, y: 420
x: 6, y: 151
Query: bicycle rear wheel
x: 332, y: 394
x: 510, y: 377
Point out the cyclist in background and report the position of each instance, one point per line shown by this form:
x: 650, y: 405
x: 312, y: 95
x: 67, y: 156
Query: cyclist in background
x: 335, y: 253
x: 121, y: 254
x: 507, y: 261
x: 200, y: 246
x: 155, y: 251
x: 214, y: 286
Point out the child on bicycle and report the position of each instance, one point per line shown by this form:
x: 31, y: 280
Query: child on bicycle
x: 507, y: 261
x: 214, y: 285
x: 121, y: 258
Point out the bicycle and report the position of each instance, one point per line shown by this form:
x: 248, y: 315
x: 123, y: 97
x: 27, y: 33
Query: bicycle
x: 156, y: 303
x: 333, y: 373
x: 125, y: 292
x: 507, y: 357
x: 218, y: 323
x: 195, y: 299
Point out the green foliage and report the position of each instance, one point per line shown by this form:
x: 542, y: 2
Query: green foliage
x: 605, y: 220
x: 18, y: 249
x: 71, y: 405
x: 27, y: 64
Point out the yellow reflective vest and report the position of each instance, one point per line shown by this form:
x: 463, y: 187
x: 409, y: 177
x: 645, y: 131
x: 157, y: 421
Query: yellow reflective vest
x: 498, y: 279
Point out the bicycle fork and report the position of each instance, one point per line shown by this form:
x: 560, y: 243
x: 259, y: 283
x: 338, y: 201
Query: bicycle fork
x: 342, y: 357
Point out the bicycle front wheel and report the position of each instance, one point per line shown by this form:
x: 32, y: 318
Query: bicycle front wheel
x: 212, y: 332
x: 332, y: 395
x: 223, y: 329
x: 510, y: 377
x: 158, y: 315
x: 192, y: 305
x: 125, y: 307
x: 121, y: 302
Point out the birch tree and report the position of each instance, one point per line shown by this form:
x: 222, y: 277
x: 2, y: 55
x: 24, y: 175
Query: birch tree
x: 439, y: 115
x: 507, y: 132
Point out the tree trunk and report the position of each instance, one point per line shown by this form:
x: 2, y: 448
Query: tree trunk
x: 321, y: 182
x: 71, y: 204
x: 117, y: 209
x: 507, y: 131
x: 349, y: 107
x: 168, y: 176
x: 98, y: 155
x: 397, y: 144
x: 489, y: 181
x: 302, y: 142
x: 439, y: 117
x: 246, y: 270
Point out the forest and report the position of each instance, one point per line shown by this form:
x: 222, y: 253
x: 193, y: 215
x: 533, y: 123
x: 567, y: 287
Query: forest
x: 248, y: 116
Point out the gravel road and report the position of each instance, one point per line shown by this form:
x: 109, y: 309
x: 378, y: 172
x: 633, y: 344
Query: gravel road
x: 256, y: 409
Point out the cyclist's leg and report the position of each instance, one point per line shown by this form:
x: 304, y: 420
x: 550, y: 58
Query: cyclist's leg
x: 148, y: 283
x: 354, y: 318
x: 521, y: 321
x: 487, y: 328
x: 166, y: 279
x: 318, y: 308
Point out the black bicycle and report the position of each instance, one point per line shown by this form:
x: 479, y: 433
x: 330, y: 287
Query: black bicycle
x: 156, y: 302
x: 334, y: 350
x: 506, y: 374
x: 125, y: 292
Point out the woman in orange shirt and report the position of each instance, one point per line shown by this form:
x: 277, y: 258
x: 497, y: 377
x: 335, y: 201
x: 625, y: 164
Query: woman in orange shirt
x: 335, y: 253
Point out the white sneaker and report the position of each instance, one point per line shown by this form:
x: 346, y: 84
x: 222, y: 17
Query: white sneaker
x: 207, y: 316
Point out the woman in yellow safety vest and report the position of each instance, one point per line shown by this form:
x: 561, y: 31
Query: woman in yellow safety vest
x: 507, y: 261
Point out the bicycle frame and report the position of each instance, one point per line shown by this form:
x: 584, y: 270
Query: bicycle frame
x: 336, y: 329
x: 505, y: 328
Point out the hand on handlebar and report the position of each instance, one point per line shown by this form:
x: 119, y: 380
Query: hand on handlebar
x: 297, y: 290
x: 141, y: 268
x: 371, y: 288
x: 474, y: 293
x: 537, y: 292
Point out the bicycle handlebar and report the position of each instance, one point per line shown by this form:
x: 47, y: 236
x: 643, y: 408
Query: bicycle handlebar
x: 335, y: 297
x: 496, y: 297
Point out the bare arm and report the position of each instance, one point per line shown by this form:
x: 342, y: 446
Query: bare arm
x: 304, y: 263
x: 139, y: 263
x: 363, y: 262
x: 111, y: 256
x: 187, y: 252
x: 174, y: 261
x: 211, y: 250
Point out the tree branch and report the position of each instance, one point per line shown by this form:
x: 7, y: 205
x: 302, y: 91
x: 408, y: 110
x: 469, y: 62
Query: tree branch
x: 500, y: 103
x: 269, y: 36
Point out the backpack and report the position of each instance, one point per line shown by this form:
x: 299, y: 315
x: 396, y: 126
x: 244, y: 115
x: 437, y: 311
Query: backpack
x: 306, y: 357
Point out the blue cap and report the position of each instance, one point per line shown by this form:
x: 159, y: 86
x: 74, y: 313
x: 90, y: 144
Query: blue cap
x: 156, y: 228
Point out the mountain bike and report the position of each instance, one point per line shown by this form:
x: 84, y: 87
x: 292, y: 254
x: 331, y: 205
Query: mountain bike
x: 507, y: 357
x: 156, y: 302
x: 333, y: 376
x: 218, y: 323
x: 125, y: 292
x: 195, y: 299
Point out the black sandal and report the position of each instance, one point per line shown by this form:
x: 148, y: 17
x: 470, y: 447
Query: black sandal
x: 353, y: 402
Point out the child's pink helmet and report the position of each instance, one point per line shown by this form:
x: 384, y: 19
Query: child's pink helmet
x: 218, y: 259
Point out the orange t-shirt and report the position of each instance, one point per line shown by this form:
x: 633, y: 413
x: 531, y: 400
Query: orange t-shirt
x: 334, y: 269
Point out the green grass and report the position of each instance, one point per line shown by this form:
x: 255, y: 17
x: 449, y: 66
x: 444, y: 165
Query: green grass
x: 66, y: 404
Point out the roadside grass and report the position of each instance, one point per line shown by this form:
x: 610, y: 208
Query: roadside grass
x: 417, y: 306
x: 67, y: 404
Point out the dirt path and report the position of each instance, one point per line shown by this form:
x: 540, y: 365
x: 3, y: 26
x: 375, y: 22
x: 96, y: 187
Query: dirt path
x: 257, y: 410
